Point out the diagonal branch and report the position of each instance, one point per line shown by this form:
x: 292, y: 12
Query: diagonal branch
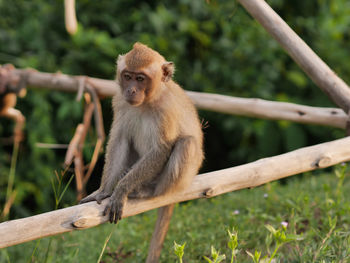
x: 314, y: 67
x: 205, y: 185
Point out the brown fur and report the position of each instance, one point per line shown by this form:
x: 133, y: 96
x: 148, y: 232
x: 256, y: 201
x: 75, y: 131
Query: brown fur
x: 156, y: 144
x: 141, y: 56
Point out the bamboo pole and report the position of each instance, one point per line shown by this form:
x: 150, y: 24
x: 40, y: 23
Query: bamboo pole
x: 70, y: 16
x: 259, y: 108
x: 232, y: 105
x: 205, y: 185
x: 302, y: 54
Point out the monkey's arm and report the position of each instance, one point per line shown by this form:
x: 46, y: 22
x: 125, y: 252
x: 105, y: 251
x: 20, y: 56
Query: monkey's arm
x: 144, y: 170
x: 114, y: 169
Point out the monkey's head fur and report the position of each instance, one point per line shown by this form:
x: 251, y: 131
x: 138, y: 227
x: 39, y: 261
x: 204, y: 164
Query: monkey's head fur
x: 142, y: 73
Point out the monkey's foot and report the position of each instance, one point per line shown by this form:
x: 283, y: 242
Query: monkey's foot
x: 115, y: 209
x: 95, y: 196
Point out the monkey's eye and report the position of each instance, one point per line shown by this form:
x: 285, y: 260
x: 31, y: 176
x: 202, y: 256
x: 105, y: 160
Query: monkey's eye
x: 140, y: 78
x: 127, y: 76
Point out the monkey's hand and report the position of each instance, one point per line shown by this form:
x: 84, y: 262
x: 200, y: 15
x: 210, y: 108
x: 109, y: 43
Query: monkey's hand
x: 115, y: 208
x: 97, y: 196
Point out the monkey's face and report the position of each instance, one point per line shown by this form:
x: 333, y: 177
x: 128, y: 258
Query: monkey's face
x: 135, y: 85
x: 141, y: 73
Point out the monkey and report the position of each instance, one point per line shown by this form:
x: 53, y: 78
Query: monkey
x: 156, y: 141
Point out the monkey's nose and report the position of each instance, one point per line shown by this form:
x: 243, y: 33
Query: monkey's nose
x: 131, y: 91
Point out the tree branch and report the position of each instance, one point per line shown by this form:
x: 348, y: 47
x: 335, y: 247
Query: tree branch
x: 232, y: 105
x: 204, y: 185
x: 259, y: 108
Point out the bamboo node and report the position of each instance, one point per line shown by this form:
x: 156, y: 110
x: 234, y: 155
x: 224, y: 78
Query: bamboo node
x: 208, y: 193
x: 85, y: 222
x: 323, y: 161
x: 301, y: 113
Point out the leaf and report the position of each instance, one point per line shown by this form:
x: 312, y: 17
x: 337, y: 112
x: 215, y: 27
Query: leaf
x: 214, y: 253
x: 292, y: 237
x: 271, y: 229
x: 250, y: 254
x: 256, y: 256
x: 208, y: 259
x: 220, y: 258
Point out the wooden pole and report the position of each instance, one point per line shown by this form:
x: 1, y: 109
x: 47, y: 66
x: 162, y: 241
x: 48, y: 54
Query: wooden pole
x: 259, y: 108
x: 63, y: 82
x: 232, y: 105
x: 206, y: 185
x: 70, y: 16
x: 313, y: 66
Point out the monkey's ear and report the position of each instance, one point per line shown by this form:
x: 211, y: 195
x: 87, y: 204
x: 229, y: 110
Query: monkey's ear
x: 168, y: 69
x: 121, y: 63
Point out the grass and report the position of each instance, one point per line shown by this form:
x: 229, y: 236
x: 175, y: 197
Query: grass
x: 314, y: 207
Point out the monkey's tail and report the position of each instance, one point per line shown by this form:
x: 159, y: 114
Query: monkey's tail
x: 159, y: 233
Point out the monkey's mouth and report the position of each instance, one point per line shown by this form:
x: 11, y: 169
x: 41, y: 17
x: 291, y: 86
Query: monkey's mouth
x: 134, y: 102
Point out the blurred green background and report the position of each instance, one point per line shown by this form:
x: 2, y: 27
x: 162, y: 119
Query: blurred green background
x: 216, y: 46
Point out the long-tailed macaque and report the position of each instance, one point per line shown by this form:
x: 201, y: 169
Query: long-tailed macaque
x: 155, y: 143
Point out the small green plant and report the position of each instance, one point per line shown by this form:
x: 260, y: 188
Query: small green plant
x: 216, y: 257
x: 179, y: 250
x: 57, y: 186
x: 256, y: 256
x: 281, y: 237
x: 233, y: 243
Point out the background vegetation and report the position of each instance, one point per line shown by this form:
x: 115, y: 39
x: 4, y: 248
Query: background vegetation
x: 216, y: 46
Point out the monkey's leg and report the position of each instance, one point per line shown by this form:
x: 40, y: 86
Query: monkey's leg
x: 181, y: 167
x: 159, y: 233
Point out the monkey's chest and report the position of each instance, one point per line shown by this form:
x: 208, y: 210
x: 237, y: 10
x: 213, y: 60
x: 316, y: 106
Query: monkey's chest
x: 143, y: 134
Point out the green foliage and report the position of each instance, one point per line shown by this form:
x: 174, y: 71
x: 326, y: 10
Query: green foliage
x: 216, y: 46
x: 279, y: 235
